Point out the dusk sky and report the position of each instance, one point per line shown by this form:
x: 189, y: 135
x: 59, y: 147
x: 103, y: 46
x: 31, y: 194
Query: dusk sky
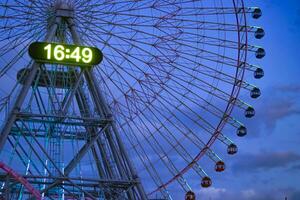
x: 268, y: 163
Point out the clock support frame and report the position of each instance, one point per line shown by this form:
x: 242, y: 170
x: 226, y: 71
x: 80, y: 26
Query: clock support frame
x: 118, y: 180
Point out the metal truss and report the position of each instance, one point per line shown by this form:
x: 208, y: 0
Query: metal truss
x: 117, y: 178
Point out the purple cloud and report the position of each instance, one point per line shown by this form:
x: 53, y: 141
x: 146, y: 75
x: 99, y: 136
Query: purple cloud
x: 248, y: 194
x: 265, y: 161
x: 275, y: 105
x: 278, y: 110
x: 292, y: 88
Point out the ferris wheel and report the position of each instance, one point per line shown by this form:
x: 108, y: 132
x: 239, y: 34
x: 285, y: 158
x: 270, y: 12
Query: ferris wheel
x: 122, y: 99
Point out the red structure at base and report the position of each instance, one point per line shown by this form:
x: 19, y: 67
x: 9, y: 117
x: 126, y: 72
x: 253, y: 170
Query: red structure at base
x: 22, y: 180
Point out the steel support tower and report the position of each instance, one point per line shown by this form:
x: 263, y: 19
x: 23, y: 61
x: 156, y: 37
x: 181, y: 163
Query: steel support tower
x: 115, y: 176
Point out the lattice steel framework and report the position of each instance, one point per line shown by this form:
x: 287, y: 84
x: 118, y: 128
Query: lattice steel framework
x: 117, y: 177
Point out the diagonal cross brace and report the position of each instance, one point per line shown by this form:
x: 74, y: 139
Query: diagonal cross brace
x: 105, y: 109
x: 77, y: 158
x: 22, y: 95
x: 48, y: 157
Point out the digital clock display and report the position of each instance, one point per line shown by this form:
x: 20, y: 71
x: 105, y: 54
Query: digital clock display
x: 65, y: 54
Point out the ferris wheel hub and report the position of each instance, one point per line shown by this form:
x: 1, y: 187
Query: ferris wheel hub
x: 63, y: 9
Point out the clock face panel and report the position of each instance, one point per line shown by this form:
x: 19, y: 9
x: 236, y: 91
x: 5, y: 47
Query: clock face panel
x: 65, y: 54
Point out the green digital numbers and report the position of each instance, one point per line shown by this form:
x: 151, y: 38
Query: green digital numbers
x: 87, y: 55
x: 65, y: 54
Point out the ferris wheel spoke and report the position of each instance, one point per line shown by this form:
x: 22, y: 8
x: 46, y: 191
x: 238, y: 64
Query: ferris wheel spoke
x: 11, y: 27
x: 15, y: 59
x: 20, y: 11
x: 149, y: 167
x: 203, y: 25
x: 217, y: 112
x: 126, y: 72
x: 209, y: 107
x: 157, y: 148
x: 175, y: 103
x: 131, y: 6
x: 233, y: 61
x: 155, y: 6
x: 184, y: 153
x: 200, y: 11
x: 186, y: 13
x: 18, y: 42
x: 123, y: 52
x: 37, y: 3
x: 176, y: 144
x: 222, y: 138
x: 7, y: 98
x: 177, y: 121
x: 221, y: 92
x: 227, y: 78
x: 212, y: 56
